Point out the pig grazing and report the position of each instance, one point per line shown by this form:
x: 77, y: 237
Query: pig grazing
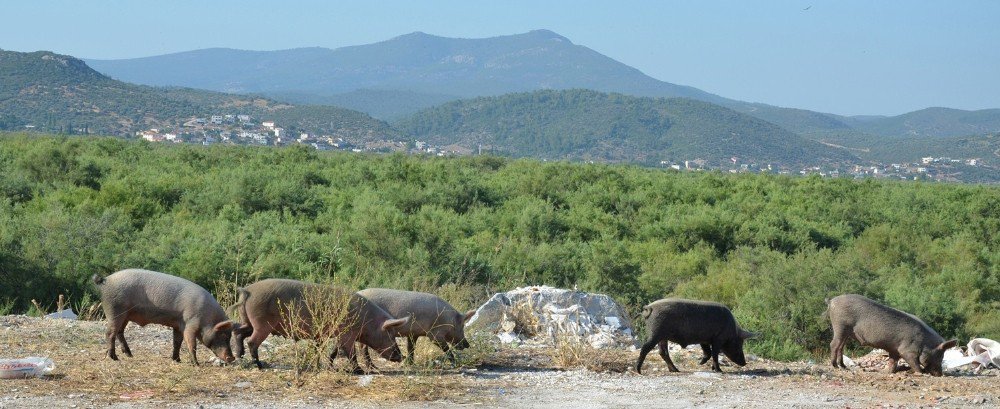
x: 900, y: 334
x: 430, y: 316
x: 147, y: 297
x: 271, y: 306
x: 689, y: 322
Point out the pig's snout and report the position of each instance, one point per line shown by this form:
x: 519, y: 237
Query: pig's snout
x: 464, y: 343
x: 395, y: 355
x: 226, y: 355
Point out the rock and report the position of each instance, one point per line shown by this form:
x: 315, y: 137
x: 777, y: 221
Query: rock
x: 546, y: 314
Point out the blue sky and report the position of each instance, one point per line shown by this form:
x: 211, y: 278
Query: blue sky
x: 846, y: 57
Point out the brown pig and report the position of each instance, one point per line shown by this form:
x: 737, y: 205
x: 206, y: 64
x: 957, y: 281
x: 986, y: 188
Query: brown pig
x: 272, y: 306
x: 430, y: 316
x: 688, y: 322
x: 900, y: 334
x: 148, y: 297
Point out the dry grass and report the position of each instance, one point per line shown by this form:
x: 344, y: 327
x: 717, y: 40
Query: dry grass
x: 78, y: 349
x: 319, y: 319
x: 570, y: 351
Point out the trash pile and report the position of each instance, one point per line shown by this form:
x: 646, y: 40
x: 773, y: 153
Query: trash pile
x: 876, y: 360
x: 980, y: 353
x: 545, y: 315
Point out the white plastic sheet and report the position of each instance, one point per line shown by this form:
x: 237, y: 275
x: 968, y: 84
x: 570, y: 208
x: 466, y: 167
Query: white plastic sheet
x: 980, y: 353
x: 25, y: 368
x: 66, y: 314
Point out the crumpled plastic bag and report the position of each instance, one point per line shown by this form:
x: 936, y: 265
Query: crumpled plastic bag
x: 25, y: 368
x: 986, y: 351
x: 980, y: 352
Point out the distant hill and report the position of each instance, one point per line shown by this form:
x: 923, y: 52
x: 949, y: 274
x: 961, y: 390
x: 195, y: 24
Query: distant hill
x: 415, y: 62
x: 583, y: 124
x: 61, y: 93
x: 393, y: 78
x: 936, y: 122
x: 382, y: 104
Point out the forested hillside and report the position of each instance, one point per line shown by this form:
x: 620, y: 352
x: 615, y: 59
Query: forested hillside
x: 583, y: 124
x: 59, y: 93
x: 771, y: 247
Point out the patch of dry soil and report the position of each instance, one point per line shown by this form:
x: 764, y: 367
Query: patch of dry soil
x: 509, y: 377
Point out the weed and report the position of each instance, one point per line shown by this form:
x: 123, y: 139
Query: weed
x: 89, y: 309
x: 36, y: 309
x: 7, y: 306
x: 321, y: 316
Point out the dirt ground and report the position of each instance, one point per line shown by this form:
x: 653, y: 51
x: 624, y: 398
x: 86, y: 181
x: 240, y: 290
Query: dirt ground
x: 505, y: 377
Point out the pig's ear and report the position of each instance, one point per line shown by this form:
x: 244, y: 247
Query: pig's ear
x: 395, y: 323
x: 948, y: 344
x: 224, y: 326
x: 468, y: 315
x: 747, y: 334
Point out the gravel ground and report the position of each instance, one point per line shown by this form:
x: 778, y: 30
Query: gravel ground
x: 514, y: 377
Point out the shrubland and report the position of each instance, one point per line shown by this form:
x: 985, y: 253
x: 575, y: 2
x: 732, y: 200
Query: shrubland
x: 771, y: 247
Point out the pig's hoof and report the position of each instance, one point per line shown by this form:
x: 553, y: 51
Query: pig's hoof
x: 357, y: 371
x: 127, y: 353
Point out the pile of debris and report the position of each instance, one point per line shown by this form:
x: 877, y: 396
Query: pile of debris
x: 546, y: 315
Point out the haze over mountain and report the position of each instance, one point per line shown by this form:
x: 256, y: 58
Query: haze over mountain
x: 61, y: 93
x: 392, y: 78
x: 589, y: 125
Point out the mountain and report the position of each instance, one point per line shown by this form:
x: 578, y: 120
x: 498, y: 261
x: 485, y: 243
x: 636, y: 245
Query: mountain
x: 934, y: 122
x: 382, y: 104
x: 415, y: 62
x: 590, y: 125
x: 393, y: 78
x: 61, y: 93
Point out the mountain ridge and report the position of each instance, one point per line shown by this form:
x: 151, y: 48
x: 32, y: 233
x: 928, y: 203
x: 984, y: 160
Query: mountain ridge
x: 440, y: 67
x: 588, y: 125
x: 62, y: 93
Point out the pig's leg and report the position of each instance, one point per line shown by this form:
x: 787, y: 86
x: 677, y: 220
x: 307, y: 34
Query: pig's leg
x: 258, y: 338
x: 110, y: 335
x: 706, y: 351
x: 894, y: 362
x: 411, y: 343
x: 648, y: 346
x: 665, y: 354
x: 121, y: 338
x: 178, y: 339
x: 837, y: 347
x: 241, y: 334
x: 368, y: 358
x: 192, y: 343
x: 333, y: 355
x: 115, y: 325
x: 448, y: 351
x: 352, y: 356
x: 914, y: 362
x: 716, y: 346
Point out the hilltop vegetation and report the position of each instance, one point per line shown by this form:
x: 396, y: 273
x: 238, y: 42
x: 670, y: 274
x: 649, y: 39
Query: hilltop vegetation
x: 770, y: 247
x: 62, y: 94
x: 582, y: 124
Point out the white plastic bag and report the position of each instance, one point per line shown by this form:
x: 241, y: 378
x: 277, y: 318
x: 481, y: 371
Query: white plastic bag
x: 25, y: 368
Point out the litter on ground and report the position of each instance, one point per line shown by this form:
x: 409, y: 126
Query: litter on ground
x: 544, y: 315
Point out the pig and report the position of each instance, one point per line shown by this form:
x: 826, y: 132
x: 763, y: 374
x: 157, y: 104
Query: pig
x: 148, y: 297
x: 430, y: 316
x: 688, y: 322
x: 263, y: 310
x: 900, y: 334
